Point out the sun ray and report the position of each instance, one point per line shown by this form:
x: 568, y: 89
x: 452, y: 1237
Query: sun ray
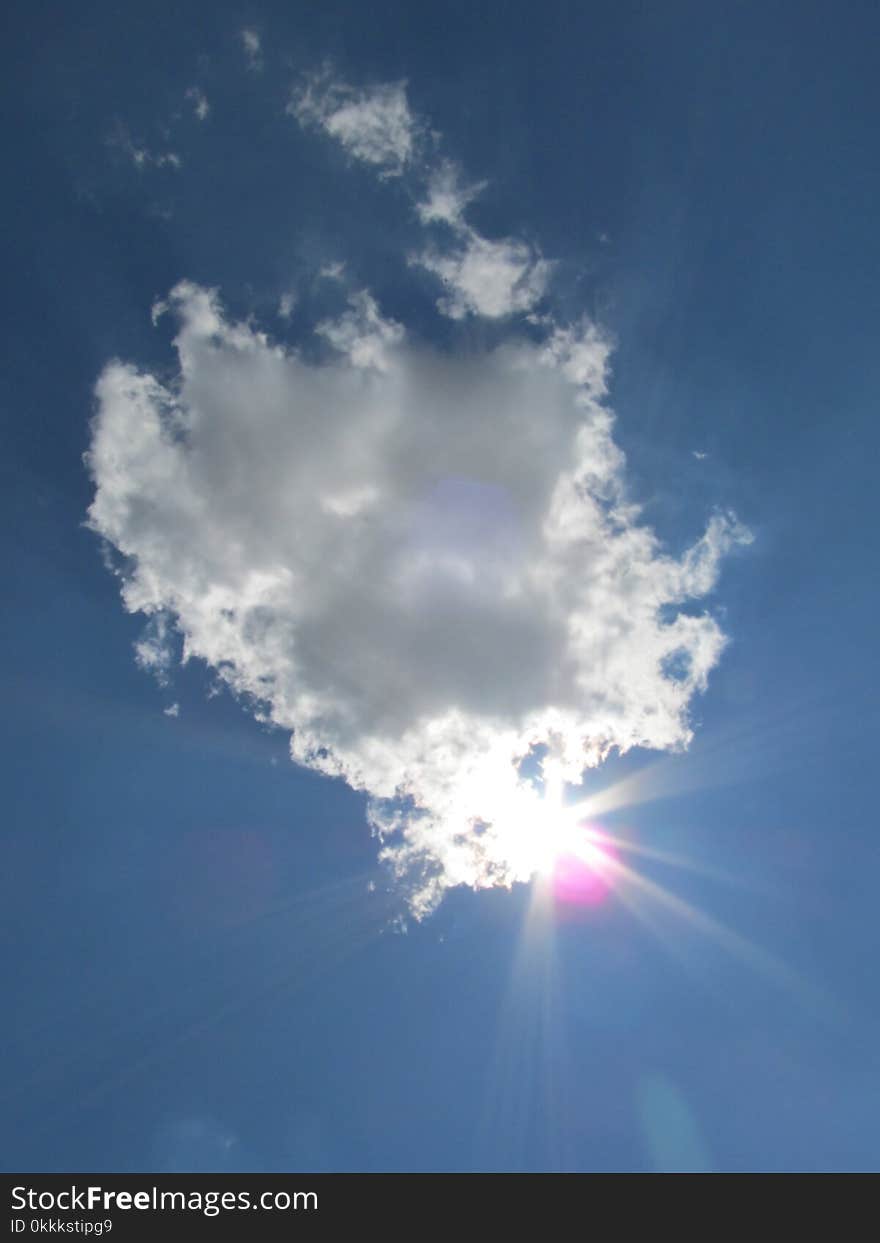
x: 576, y: 861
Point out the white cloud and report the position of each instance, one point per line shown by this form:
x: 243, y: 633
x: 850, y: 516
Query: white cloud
x: 286, y: 303
x: 253, y: 48
x: 332, y: 271
x: 172, y: 710
x: 494, y: 278
x: 154, y: 651
x: 374, y: 125
x: 362, y: 334
x: 579, y: 351
x: 490, y: 278
x: 482, y: 277
x: 421, y: 564
x: 446, y: 198
x: 199, y: 101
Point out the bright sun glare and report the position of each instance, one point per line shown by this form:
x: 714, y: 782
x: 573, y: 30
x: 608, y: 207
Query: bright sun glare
x: 577, y: 859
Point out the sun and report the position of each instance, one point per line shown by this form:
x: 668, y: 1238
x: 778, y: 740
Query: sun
x: 574, y: 856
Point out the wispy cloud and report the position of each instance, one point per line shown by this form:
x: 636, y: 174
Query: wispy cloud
x: 253, y: 48
x: 494, y: 278
x: 286, y: 304
x: 141, y: 156
x: 374, y: 125
x: 446, y: 198
x: 154, y: 651
x: 199, y: 102
x: 332, y: 271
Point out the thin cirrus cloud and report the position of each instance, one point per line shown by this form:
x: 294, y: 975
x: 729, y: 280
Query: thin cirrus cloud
x: 252, y: 45
x: 422, y: 564
x: 140, y: 156
x: 199, y: 101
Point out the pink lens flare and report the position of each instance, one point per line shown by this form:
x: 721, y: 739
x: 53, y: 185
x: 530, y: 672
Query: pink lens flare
x: 583, y: 875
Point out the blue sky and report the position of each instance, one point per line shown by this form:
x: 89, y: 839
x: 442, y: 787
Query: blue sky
x: 208, y: 968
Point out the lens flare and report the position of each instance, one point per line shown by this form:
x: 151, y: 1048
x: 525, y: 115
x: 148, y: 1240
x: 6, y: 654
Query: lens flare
x: 575, y: 858
x: 582, y: 872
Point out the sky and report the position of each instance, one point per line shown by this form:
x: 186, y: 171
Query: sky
x: 440, y: 526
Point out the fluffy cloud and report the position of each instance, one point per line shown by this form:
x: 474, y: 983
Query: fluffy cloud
x: 373, y: 125
x: 490, y: 278
x: 362, y: 334
x: 421, y: 564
